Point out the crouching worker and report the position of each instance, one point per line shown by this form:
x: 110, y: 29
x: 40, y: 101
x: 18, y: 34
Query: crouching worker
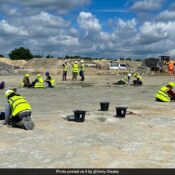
x: 26, y: 81
x: 122, y: 81
x: 138, y: 81
x: 38, y: 82
x: 166, y: 94
x: 18, y: 111
x: 49, y: 80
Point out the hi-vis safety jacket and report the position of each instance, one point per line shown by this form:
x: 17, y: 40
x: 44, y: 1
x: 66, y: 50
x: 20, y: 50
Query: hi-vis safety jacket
x: 75, y: 68
x: 163, y: 95
x: 125, y: 79
x: 140, y: 78
x: 52, y: 81
x: 82, y: 67
x: 40, y: 83
x: 65, y: 68
x: 18, y: 104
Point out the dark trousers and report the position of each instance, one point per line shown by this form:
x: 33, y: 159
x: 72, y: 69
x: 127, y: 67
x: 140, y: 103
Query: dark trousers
x: 82, y: 75
x: 157, y: 99
x: 64, y: 76
x: 28, y: 85
x: 2, y: 85
x: 74, y: 76
x: 137, y: 82
x: 49, y: 84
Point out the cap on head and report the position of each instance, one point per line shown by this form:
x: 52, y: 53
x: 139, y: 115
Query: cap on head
x: 82, y: 61
x: 47, y: 73
x: 171, y: 84
x: 8, y: 92
x: 27, y: 75
x: 38, y: 75
x: 75, y: 61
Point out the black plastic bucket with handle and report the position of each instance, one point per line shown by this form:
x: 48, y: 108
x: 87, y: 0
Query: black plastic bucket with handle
x: 104, y: 106
x: 121, y: 111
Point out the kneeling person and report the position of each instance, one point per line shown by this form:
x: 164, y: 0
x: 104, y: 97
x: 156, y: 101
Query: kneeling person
x: 26, y: 81
x: 49, y: 80
x: 18, y: 111
x: 138, y: 81
x: 166, y: 94
x: 122, y: 81
x: 38, y: 82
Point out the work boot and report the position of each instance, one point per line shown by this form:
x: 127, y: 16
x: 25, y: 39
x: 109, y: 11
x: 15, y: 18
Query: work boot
x: 27, y: 123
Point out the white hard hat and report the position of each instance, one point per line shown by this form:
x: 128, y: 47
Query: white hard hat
x: 81, y: 61
x: 8, y: 92
x: 65, y: 61
x: 75, y: 61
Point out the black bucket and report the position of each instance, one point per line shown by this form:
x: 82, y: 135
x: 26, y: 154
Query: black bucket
x: 121, y: 111
x: 2, y: 115
x: 79, y: 115
x: 104, y: 106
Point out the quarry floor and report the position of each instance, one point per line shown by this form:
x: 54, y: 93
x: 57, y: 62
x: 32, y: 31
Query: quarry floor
x: 145, y: 138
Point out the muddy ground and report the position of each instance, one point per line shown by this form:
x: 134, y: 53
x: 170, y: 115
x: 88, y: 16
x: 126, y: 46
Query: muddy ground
x: 144, y: 138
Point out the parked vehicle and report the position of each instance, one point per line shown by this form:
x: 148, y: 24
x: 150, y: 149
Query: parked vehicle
x: 118, y: 66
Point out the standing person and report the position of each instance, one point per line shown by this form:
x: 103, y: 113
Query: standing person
x: 166, y: 94
x: 75, y: 71
x: 18, y: 111
x: 82, y: 70
x: 49, y: 80
x: 38, y: 82
x: 64, y: 78
x: 26, y: 81
x: 171, y: 68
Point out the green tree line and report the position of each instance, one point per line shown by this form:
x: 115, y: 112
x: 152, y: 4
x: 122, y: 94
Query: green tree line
x: 26, y: 54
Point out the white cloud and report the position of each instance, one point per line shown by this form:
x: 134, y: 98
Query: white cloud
x: 63, y: 40
x: 60, y: 35
x: 35, y: 6
x: 48, y: 20
x: 6, y: 28
x: 167, y: 15
x: 88, y: 22
x: 146, y: 5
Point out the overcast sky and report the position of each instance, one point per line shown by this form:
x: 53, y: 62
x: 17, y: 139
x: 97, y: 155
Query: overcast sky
x: 96, y: 28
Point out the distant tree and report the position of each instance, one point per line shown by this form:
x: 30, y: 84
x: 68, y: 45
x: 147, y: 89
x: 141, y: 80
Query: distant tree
x: 129, y: 59
x: 49, y: 56
x: 2, y: 56
x: 37, y: 56
x: 138, y: 60
x: 20, y: 53
x: 67, y: 56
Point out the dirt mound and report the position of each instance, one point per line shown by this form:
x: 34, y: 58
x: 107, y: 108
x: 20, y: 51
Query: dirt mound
x: 8, y: 66
x: 41, y: 65
x: 102, y: 64
x: 17, y: 63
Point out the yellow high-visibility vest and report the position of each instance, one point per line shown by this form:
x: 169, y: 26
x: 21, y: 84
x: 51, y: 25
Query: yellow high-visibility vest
x: 52, y: 81
x: 82, y: 67
x: 18, y: 104
x: 163, y: 95
x: 65, y: 68
x: 140, y: 78
x: 40, y: 83
x: 75, y: 68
